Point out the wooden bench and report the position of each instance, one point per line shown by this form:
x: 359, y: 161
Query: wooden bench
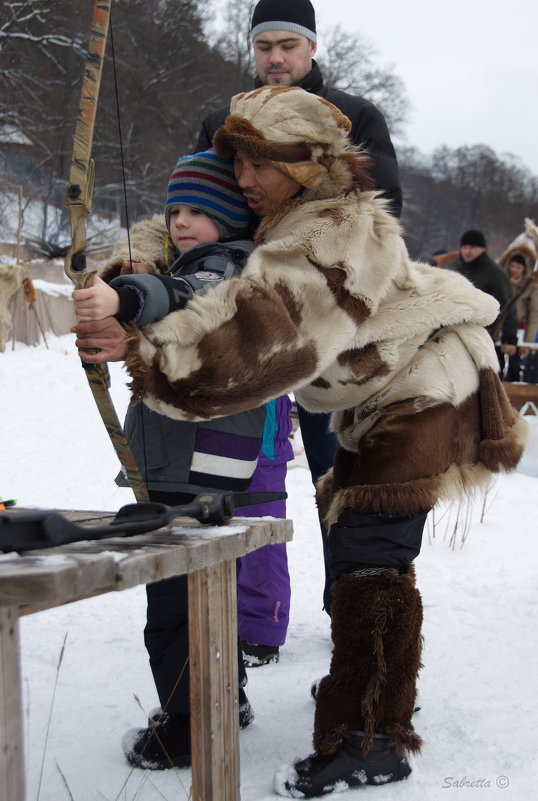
x: 523, y: 397
x: 40, y: 580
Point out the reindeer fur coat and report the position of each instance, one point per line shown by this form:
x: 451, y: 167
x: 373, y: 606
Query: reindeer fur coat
x: 331, y: 308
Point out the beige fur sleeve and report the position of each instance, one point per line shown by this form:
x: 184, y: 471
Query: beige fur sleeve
x: 220, y: 355
x: 148, y: 238
x: 247, y: 341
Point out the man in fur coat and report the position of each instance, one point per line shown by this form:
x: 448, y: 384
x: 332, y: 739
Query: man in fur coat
x: 330, y: 307
x: 284, y: 43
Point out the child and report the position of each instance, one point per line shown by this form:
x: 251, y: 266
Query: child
x: 197, y: 245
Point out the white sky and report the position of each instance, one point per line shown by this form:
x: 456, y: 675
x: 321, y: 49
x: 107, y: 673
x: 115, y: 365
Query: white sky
x: 470, y: 67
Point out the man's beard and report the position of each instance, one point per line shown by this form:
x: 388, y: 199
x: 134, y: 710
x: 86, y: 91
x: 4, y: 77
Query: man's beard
x: 280, y: 80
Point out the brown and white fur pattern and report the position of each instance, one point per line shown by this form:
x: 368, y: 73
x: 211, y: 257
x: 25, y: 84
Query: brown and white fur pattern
x: 331, y: 307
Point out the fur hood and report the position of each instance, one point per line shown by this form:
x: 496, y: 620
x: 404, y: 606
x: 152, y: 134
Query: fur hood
x: 298, y: 132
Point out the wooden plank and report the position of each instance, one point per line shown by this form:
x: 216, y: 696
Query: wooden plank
x: 214, y: 683
x: 12, y: 781
x: 54, y: 577
x: 522, y: 394
x: 80, y: 570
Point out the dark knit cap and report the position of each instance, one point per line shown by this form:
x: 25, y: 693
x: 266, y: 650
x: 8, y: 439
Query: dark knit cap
x: 473, y: 237
x: 206, y: 182
x: 297, y: 16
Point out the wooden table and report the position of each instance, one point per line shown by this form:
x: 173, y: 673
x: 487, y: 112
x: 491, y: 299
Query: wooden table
x: 40, y: 580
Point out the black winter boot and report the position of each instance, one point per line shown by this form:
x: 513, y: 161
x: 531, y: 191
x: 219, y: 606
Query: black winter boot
x: 164, y: 744
x: 246, y: 713
x: 256, y: 655
x: 319, y: 775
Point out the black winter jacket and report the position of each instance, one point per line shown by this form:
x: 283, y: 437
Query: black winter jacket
x: 369, y: 130
x: 147, y: 298
x: 485, y: 274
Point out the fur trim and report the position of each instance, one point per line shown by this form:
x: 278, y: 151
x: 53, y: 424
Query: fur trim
x: 505, y: 433
x: 240, y: 133
x: 395, y: 469
x: 410, y: 497
x: 371, y: 686
x: 147, y: 239
x: 325, y: 494
x: 528, y: 253
x: 298, y: 132
x: 442, y: 259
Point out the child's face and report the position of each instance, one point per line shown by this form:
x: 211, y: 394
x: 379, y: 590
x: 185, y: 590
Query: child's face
x: 189, y: 227
x: 515, y: 269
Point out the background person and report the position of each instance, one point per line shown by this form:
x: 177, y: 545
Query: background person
x: 474, y: 264
x: 525, y: 289
x: 527, y: 296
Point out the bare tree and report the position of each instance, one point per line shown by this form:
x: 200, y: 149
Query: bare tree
x: 468, y: 187
x: 168, y: 78
x: 234, y: 42
x: 348, y: 64
x: 163, y: 96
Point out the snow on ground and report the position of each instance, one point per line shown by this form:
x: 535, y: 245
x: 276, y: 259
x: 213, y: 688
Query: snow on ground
x: 477, y: 689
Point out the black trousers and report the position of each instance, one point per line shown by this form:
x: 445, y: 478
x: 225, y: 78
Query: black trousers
x: 360, y: 538
x: 320, y: 445
x: 166, y: 634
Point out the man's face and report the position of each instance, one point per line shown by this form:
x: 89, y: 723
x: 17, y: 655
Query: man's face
x: 282, y: 58
x: 471, y: 252
x: 264, y: 187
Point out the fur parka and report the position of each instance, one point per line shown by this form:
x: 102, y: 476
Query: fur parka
x: 148, y: 243
x: 330, y: 307
x: 526, y: 291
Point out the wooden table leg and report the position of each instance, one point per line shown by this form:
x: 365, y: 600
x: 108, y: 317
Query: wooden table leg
x: 12, y: 783
x: 214, y: 683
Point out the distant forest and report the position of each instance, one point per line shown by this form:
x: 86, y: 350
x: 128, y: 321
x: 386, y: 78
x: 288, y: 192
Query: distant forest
x: 170, y: 73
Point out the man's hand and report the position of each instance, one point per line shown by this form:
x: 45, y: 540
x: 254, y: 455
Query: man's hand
x: 509, y: 349
x: 96, y: 302
x: 107, y: 335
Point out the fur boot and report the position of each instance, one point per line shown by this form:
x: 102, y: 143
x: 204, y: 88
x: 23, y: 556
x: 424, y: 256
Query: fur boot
x: 371, y: 686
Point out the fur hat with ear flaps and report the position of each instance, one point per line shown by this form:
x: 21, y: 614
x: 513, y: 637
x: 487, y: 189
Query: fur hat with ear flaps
x: 300, y: 133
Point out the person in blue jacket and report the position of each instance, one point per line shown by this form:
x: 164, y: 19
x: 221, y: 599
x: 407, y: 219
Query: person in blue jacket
x: 201, y: 240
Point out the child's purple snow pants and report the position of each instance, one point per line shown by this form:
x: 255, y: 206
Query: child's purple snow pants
x: 263, y: 580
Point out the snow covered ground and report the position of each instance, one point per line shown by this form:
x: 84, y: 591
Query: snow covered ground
x: 479, y: 713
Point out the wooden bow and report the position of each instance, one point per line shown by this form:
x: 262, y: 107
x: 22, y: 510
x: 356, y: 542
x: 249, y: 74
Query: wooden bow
x: 78, y: 202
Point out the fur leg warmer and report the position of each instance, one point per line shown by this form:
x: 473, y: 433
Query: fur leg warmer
x: 371, y: 686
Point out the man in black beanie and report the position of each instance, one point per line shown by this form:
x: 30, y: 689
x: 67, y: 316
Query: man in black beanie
x: 474, y: 263
x: 283, y: 35
x: 284, y: 40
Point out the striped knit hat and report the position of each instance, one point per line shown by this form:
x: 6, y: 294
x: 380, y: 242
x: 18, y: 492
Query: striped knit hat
x: 207, y: 183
